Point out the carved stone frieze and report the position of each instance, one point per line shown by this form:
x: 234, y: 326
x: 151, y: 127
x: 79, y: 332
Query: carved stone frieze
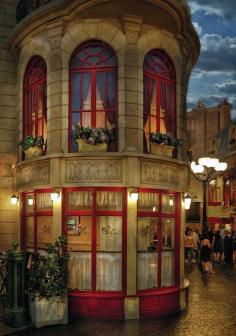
x: 93, y: 170
x: 37, y: 173
x: 164, y: 174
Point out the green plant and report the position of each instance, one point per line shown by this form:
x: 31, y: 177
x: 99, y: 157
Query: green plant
x: 31, y: 141
x: 94, y: 136
x: 48, y: 275
x: 164, y: 139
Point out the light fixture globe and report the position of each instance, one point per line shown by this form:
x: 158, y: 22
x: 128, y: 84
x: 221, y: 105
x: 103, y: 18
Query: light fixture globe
x: 221, y: 166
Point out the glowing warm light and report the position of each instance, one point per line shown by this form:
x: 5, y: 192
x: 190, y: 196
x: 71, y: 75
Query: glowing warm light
x: 55, y: 195
x: 204, y: 161
x: 221, y: 166
x: 171, y: 202
x: 187, y: 202
x: 133, y: 194
x: 30, y: 201
x: 197, y: 169
x: 14, y: 199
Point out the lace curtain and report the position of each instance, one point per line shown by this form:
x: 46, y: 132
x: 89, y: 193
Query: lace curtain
x: 147, y: 200
x: 147, y: 270
x: 109, y: 233
x: 105, y: 199
x: 80, y: 270
x: 109, y: 270
x: 44, y: 201
x: 167, y: 272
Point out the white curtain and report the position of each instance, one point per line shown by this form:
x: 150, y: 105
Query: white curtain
x: 44, y: 201
x: 147, y: 270
x: 167, y: 271
x: 109, y: 270
x: 109, y: 199
x: 80, y: 271
x: 80, y: 199
x: 147, y: 200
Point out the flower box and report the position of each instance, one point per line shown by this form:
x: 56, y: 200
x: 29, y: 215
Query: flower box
x: 160, y: 149
x: 32, y: 152
x: 48, y: 311
x: 84, y: 147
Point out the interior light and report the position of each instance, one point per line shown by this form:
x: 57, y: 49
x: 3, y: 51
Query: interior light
x: 171, y: 202
x: 30, y: 200
x: 14, y: 199
x: 133, y: 195
x: 187, y: 201
x: 55, y: 195
x: 221, y: 166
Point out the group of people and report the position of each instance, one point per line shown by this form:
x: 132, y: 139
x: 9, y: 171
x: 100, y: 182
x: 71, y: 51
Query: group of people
x: 213, y: 245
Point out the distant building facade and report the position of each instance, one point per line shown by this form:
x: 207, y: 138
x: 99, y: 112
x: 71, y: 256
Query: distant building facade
x: 211, y: 131
x: 123, y: 65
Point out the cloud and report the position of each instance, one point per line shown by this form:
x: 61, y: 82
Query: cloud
x: 220, y: 8
x: 217, y: 53
x: 228, y: 87
x: 197, y: 27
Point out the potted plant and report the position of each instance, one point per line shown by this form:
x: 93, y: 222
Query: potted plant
x: 163, y: 144
x: 93, y: 139
x: 32, y: 146
x: 47, y: 281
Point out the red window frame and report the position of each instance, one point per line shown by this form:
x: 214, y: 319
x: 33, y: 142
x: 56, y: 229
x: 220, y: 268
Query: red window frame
x: 159, y: 69
x: 34, y: 78
x: 35, y: 214
x: 158, y: 214
x: 92, y: 69
x: 95, y: 213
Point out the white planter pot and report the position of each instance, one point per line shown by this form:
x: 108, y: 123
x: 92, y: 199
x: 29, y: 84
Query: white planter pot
x: 44, y: 312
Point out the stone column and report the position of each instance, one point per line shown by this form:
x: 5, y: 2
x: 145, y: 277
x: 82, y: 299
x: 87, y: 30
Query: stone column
x: 54, y: 90
x: 9, y: 221
x: 133, y: 86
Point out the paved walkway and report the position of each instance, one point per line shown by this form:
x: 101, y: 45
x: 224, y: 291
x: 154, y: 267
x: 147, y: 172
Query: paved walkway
x: 211, y: 312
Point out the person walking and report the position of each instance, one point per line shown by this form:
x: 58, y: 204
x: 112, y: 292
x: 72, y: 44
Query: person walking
x: 228, y: 248
x: 196, y: 244
x: 205, y: 255
x: 234, y: 245
x: 217, y: 246
x: 188, y: 246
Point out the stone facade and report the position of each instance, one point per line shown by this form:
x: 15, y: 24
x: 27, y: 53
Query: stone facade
x: 132, y: 30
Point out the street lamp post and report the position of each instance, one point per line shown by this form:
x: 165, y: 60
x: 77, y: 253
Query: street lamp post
x: 205, y: 171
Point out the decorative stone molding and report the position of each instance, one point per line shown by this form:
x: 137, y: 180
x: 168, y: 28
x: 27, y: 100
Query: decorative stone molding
x: 164, y: 174
x: 80, y: 171
x: 37, y: 173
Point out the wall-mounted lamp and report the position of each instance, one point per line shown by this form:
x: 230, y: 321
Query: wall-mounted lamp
x: 14, y: 199
x: 30, y: 200
x: 133, y: 194
x: 187, y: 201
x: 55, y: 195
x: 171, y: 202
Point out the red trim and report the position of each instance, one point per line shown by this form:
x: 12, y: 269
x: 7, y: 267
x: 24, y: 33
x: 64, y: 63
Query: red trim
x: 94, y: 213
x: 159, y: 303
x: 35, y: 214
x: 214, y: 203
x: 159, y: 215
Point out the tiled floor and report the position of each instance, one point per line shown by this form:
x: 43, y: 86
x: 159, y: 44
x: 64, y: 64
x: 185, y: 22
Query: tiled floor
x: 211, y: 312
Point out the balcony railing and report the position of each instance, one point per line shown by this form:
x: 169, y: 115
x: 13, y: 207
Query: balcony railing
x: 25, y: 7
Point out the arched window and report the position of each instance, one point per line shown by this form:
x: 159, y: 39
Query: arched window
x: 159, y: 95
x: 35, y: 102
x: 93, y: 88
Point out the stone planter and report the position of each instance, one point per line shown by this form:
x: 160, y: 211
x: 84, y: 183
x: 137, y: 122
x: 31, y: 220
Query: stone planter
x: 32, y: 152
x: 84, y: 147
x: 160, y: 149
x: 48, y: 311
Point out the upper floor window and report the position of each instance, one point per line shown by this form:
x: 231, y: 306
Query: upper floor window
x: 93, y: 89
x: 159, y: 95
x: 35, y: 102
